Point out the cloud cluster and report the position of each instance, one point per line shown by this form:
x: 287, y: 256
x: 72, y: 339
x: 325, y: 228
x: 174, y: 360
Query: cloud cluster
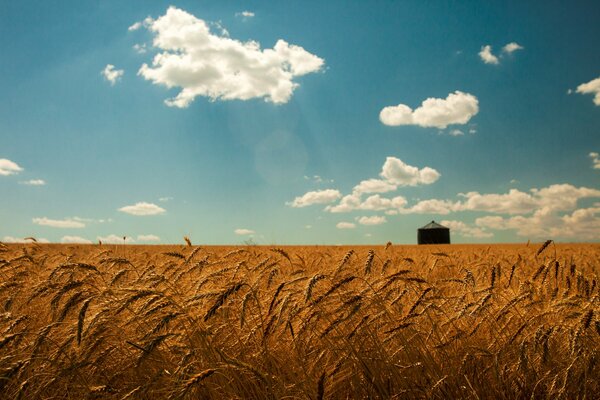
x: 143, y: 209
x: 243, y: 231
x: 11, y: 239
x: 111, y: 74
x: 202, y: 63
x: 34, y: 182
x: 456, y: 108
x: 8, y: 167
x: 315, y: 197
x: 75, y: 240
x: 591, y: 87
x: 148, y: 238
x: 595, y: 160
x: 466, y: 230
x: 115, y: 239
x: 488, y: 57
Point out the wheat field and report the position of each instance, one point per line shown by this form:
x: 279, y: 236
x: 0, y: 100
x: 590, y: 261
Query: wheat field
x: 311, y: 322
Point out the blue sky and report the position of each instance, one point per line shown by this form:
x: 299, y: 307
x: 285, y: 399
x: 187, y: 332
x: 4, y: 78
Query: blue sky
x: 299, y: 122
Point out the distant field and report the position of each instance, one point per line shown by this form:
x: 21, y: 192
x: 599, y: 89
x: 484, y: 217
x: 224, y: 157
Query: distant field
x: 306, y: 322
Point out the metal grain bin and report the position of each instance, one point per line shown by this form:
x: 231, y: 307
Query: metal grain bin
x: 433, y: 233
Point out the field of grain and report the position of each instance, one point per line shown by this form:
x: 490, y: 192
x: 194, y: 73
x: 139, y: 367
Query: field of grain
x: 312, y: 322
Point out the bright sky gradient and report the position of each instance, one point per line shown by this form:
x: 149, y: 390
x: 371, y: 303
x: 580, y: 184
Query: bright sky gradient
x: 304, y: 122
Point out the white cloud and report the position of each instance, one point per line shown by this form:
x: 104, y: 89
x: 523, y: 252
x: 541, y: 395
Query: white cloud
x: 11, y: 239
x: 466, y: 230
x: 111, y: 74
x: 220, y: 68
x: 456, y: 108
x: 345, y: 225
x: 165, y: 199
x: 33, y: 182
x: 591, y: 87
x: 315, y: 197
x: 245, y: 14
x: 318, y: 179
x: 431, y: 206
x: 59, y: 223
x: 512, y: 46
x: 375, y: 202
x: 140, y: 48
x: 374, y: 186
x: 456, y: 132
x: 486, y: 55
x: 143, y: 209
x: 595, y: 160
x: 135, y: 26
x: 148, y: 238
x: 242, y: 231
x: 75, y: 239
x: 399, y: 173
x: 115, y: 239
x: 8, y: 167
x: 374, y: 220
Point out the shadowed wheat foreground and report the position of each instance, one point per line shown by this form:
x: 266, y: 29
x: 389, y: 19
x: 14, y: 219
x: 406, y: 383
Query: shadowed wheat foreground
x: 175, y: 322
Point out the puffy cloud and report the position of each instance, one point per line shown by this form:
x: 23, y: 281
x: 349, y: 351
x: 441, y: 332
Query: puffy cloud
x: 148, y: 238
x: 115, y: 239
x: 143, y: 209
x: 59, y: 223
x: 8, y: 167
x: 466, y: 230
x: 374, y: 186
x: 315, y: 197
x: 135, y: 26
x: 399, y: 173
x: 512, y: 46
x: 581, y: 224
x: 242, y: 231
x: 374, y: 220
x: 375, y: 202
x: 513, y: 202
x: 111, y: 74
x: 33, y: 182
x: 595, y: 160
x: 75, y: 239
x: 486, y: 55
x: 431, y: 206
x: 345, y: 225
x: 591, y: 87
x: 456, y: 108
x: 220, y: 68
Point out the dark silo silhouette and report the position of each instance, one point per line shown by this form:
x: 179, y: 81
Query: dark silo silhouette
x: 433, y: 233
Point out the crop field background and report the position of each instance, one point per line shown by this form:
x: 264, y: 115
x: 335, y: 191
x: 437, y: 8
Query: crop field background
x: 312, y: 322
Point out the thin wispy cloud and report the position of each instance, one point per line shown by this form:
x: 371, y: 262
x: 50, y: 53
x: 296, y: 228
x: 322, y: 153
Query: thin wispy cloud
x: 143, y: 209
x: 243, y: 231
x: 8, y: 167
x: 33, y: 182
x: 66, y: 223
x: 245, y: 15
x: 205, y: 64
x: 111, y: 74
x: 345, y: 225
x: 456, y: 108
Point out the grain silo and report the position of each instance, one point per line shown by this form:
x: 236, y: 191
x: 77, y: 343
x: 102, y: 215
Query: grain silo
x: 433, y: 233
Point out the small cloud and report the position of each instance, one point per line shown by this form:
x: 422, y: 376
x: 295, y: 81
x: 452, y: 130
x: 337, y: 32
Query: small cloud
x: 512, y: 46
x: 472, y: 131
x: 345, y: 225
x: 595, y: 160
x: 140, y: 48
x: 59, y: 223
x: 368, y: 234
x: 115, y: 239
x: 374, y: 220
x: 75, y: 239
x: 165, y: 199
x: 456, y: 108
x: 486, y: 55
x: 307, y: 226
x: 148, y: 238
x: 242, y: 231
x: 135, y: 26
x: 315, y: 197
x: 143, y: 209
x: 514, y: 181
x: 111, y: 74
x: 8, y: 167
x: 591, y: 87
x: 245, y: 14
x: 34, y: 182
x: 456, y: 132
x: 317, y: 179
x: 569, y: 91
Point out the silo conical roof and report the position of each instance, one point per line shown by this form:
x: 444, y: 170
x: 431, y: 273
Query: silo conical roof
x: 433, y: 225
